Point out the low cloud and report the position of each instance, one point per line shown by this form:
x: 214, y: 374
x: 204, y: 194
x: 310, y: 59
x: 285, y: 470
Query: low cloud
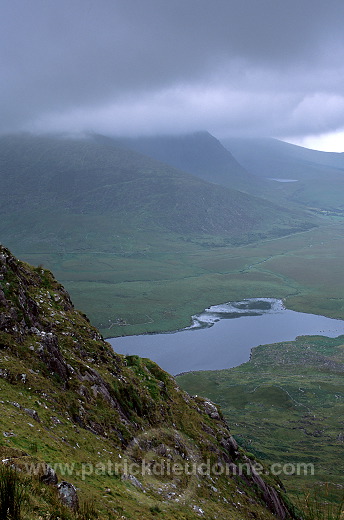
x: 146, y: 66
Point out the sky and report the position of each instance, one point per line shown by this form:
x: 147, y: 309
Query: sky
x: 256, y: 68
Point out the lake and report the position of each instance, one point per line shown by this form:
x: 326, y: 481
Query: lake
x: 281, y: 180
x: 222, y: 336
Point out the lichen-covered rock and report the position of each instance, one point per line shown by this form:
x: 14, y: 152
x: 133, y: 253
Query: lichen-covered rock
x: 68, y: 494
x: 209, y: 408
x: 32, y: 413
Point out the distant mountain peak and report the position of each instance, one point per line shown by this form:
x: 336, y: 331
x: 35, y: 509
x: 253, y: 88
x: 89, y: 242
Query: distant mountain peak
x: 199, y: 153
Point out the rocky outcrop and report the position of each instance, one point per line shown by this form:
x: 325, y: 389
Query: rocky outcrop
x: 50, y: 354
x: 73, y: 382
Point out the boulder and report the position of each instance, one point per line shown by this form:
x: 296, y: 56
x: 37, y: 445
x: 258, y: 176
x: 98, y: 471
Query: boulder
x: 68, y: 495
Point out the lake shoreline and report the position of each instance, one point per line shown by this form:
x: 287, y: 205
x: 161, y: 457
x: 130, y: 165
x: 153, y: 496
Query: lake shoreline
x: 204, y: 346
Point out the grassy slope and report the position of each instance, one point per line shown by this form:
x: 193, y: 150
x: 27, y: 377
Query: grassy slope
x: 286, y: 406
x: 66, y: 397
x: 58, y: 192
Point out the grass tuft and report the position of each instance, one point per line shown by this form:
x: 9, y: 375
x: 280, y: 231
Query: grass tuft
x: 13, y: 494
x: 319, y: 507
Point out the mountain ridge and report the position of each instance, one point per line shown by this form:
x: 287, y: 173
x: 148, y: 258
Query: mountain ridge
x: 318, y: 176
x: 274, y: 149
x: 61, y: 181
x: 199, y: 153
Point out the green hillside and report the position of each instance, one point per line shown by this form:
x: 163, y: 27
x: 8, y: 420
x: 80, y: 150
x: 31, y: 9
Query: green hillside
x: 319, y: 175
x: 118, y: 429
x: 286, y: 406
x: 200, y: 154
x: 63, y: 194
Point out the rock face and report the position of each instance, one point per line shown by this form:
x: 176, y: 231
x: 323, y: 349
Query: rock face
x: 50, y: 354
x: 67, y: 379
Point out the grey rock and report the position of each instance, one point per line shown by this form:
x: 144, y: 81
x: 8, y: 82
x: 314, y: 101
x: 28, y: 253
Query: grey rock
x: 134, y: 481
x: 51, y: 355
x: 4, y: 373
x: 211, y: 410
x: 3, y: 300
x: 230, y: 444
x: 68, y: 495
x: 270, y: 496
x: 32, y: 413
x: 49, y: 476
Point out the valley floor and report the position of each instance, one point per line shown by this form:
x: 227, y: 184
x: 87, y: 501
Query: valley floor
x: 154, y: 284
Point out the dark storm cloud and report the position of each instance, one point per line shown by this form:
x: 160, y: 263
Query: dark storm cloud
x: 124, y: 66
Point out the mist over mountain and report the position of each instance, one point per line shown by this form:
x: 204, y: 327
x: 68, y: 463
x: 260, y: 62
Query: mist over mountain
x: 266, y: 157
x: 130, y: 68
x: 60, y: 193
x: 198, y: 153
x: 318, y: 176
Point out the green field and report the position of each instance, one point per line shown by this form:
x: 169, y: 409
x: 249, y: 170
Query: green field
x: 286, y: 406
x: 157, y: 282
